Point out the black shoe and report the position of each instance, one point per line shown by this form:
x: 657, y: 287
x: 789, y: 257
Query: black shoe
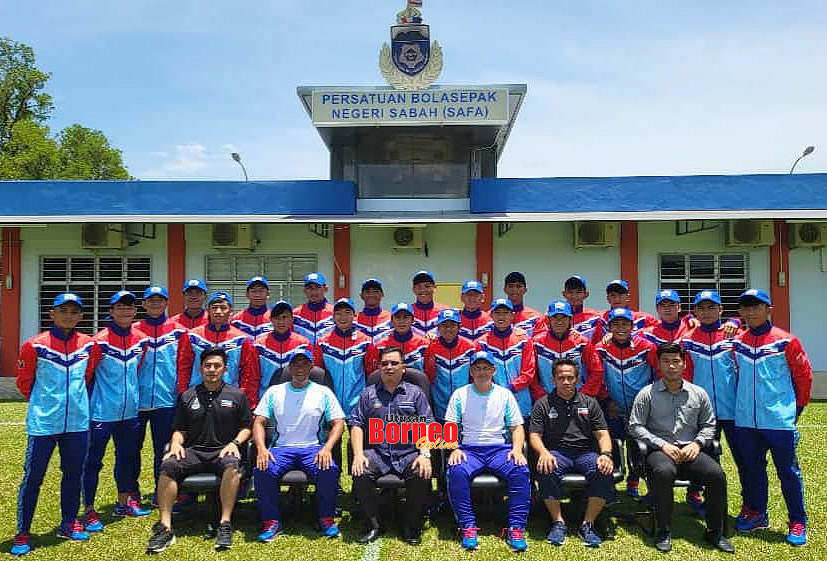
x: 224, y: 536
x: 412, y: 535
x: 371, y: 534
x: 719, y: 541
x: 162, y: 538
x: 663, y: 541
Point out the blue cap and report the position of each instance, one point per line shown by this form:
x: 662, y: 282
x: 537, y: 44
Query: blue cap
x: 315, y: 278
x: 300, y: 351
x: 483, y: 355
x: 617, y: 283
x: 281, y: 306
x: 559, y: 307
x: 156, y: 291
x: 120, y: 296
x: 401, y: 307
x: 669, y: 295
x: 755, y: 294
x: 708, y: 296
x: 259, y: 280
x: 344, y: 302
x: 194, y: 283
x: 220, y: 295
x: 623, y: 313
x: 65, y: 298
x: 422, y: 276
x: 575, y: 280
x: 448, y: 314
x: 470, y: 285
x: 499, y: 302
x: 372, y: 282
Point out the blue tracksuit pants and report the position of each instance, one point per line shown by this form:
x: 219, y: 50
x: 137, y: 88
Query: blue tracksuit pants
x: 125, y: 436
x: 160, y: 421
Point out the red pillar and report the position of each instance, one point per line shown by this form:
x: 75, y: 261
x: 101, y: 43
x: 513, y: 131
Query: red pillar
x: 485, y: 254
x: 779, y: 276
x: 176, y: 265
x: 10, y: 295
x: 341, y: 260
x: 629, y: 261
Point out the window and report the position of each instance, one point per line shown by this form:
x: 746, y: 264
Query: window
x: 727, y: 273
x: 285, y: 273
x: 94, y: 279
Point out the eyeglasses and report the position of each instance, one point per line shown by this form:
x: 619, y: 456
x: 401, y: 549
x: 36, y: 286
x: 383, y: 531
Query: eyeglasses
x: 390, y: 363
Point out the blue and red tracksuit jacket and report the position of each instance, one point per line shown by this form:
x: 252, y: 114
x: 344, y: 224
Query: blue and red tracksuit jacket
x: 274, y: 351
x: 473, y: 325
x: 242, y: 360
x: 253, y: 321
x: 548, y: 348
x: 527, y: 319
x: 711, y: 365
x: 158, y: 372
x: 373, y: 322
x: 313, y: 320
x: 343, y: 355
x: 448, y: 367
x: 663, y: 332
x: 514, y: 357
x: 413, y: 349
x: 774, y: 378
x: 52, y: 374
x: 425, y: 318
x: 624, y: 370
x: 585, y: 321
x: 641, y: 320
x: 114, y: 388
x: 190, y: 322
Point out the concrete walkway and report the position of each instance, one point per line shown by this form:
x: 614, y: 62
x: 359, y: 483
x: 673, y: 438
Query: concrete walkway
x: 8, y: 391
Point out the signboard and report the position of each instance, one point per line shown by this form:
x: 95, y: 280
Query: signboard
x: 434, y: 106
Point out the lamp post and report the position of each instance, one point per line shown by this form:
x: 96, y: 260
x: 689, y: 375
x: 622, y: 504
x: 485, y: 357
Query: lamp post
x: 807, y: 151
x: 237, y: 158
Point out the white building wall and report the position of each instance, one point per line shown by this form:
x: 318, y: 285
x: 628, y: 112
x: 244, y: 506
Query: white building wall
x: 544, y: 252
x: 64, y: 240
x: 808, y: 302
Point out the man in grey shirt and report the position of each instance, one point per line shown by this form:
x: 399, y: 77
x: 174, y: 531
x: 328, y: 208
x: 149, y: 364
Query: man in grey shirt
x: 676, y: 421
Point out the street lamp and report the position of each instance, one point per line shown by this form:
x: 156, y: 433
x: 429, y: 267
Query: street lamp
x: 237, y: 158
x: 807, y: 151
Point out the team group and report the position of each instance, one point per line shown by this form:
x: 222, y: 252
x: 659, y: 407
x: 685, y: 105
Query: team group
x: 568, y: 382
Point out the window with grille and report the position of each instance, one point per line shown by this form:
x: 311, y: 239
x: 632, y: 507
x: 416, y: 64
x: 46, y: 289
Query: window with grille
x: 285, y: 273
x: 728, y: 273
x: 94, y: 279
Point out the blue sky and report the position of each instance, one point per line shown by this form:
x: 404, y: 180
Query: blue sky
x: 614, y: 88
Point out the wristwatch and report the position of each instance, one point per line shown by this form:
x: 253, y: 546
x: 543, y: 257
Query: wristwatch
x: 607, y: 454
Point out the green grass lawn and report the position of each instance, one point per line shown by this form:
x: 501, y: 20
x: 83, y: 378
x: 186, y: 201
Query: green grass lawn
x: 125, y: 539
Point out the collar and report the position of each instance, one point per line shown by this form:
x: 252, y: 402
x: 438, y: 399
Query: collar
x: 448, y: 345
x: 372, y: 311
x: 660, y: 385
x: 160, y: 320
x: 762, y: 329
x: 711, y: 327
x: 402, y: 338
x: 398, y: 389
x: 670, y: 326
x: 563, y: 338
x: 341, y: 333
x: 625, y: 345
x: 471, y: 315
x: 256, y: 311
x: 218, y: 329
x: 518, y: 307
x: 504, y: 333
x: 576, y: 309
x: 428, y: 306
x: 568, y: 402
x: 119, y: 331
x: 476, y: 391
x: 199, y: 315
x: 281, y: 337
x: 214, y: 392
x: 317, y: 306
x: 56, y: 332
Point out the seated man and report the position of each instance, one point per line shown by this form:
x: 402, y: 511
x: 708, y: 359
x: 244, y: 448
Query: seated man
x: 391, y: 396
x: 486, y: 414
x: 566, y: 428
x: 297, y: 408
x: 674, y: 419
x: 212, y: 421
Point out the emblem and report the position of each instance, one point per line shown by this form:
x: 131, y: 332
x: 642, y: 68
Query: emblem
x: 552, y: 414
x: 411, y: 62
x: 195, y: 404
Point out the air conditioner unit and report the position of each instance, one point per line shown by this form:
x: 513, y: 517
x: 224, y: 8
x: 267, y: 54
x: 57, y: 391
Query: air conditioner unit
x: 232, y: 236
x: 808, y: 234
x: 408, y: 238
x: 596, y: 234
x: 101, y: 236
x: 752, y: 233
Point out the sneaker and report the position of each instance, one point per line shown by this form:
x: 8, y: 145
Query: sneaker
x: 162, y: 538
x: 22, y: 544
x: 224, y: 536
x: 131, y: 509
x: 269, y: 530
x: 632, y: 488
x: 557, y: 535
x: 92, y: 521
x: 750, y: 520
x: 515, y: 539
x: 329, y: 527
x: 469, y: 538
x: 72, y: 531
x: 589, y: 535
x: 797, y: 534
x: 696, y: 503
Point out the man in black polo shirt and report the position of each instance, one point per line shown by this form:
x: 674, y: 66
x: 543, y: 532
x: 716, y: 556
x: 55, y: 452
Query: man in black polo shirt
x: 212, y: 421
x: 565, y: 430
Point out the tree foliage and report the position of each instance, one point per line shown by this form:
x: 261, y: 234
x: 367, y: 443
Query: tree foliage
x: 86, y: 154
x: 30, y: 153
x: 21, y: 88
